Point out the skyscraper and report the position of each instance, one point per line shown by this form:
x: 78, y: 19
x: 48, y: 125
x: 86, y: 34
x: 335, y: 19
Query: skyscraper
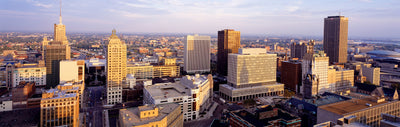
x: 116, y: 68
x: 56, y: 51
x: 228, y: 42
x: 197, y: 54
x: 335, y: 38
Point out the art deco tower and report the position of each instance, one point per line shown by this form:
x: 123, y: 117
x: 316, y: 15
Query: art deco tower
x: 228, y: 42
x: 116, y: 68
x: 335, y: 38
x: 55, y: 51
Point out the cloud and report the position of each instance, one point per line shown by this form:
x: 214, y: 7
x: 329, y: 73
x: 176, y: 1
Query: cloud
x: 39, y: 4
x: 292, y: 8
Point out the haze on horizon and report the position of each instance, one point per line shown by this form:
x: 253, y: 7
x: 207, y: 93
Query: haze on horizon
x: 367, y: 18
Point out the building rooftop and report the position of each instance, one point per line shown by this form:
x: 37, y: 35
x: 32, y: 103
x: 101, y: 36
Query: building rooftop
x: 94, y: 62
x: 131, y: 116
x: 312, y: 104
x: 167, y: 90
x: 259, y: 119
x: 352, y: 105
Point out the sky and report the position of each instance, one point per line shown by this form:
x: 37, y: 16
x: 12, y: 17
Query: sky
x: 367, y: 18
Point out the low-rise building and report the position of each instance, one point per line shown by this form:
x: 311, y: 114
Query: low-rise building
x: 165, y: 115
x: 6, y: 106
x: 22, y: 92
x: 193, y: 93
x: 16, y: 73
x: 265, y: 117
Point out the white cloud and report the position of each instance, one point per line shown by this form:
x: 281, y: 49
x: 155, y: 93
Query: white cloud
x: 39, y: 4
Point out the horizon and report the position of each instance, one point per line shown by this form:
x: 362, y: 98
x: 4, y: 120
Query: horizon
x: 371, y: 19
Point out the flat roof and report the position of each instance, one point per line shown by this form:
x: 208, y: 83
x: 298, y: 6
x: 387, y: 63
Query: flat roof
x: 168, y: 90
x: 349, y: 106
x: 131, y: 116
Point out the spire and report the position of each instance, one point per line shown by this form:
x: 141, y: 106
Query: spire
x: 114, y: 31
x: 60, y: 12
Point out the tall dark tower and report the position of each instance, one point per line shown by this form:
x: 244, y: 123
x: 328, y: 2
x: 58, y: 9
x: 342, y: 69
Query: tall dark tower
x: 228, y: 42
x: 335, y: 38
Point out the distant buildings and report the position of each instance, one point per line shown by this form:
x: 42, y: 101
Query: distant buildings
x: 372, y: 74
x: 291, y: 75
x: 335, y: 38
x: 264, y: 117
x: 193, y: 93
x: 165, y: 115
x: 251, y: 74
x: 315, y: 74
x: 228, y: 42
x: 197, y: 54
x: 116, y: 68
x: 298, y: 50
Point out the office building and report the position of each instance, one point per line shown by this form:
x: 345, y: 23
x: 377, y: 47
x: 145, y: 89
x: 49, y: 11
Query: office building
x: 165, y: 115
x: 366, y: 111
x: 291, y: 75
x: 54, y: 52
x: 72, y: 71
x: 314, y: 74
x: 335, y: 38
x: 264, y: 117
x: 251, y: 74
x: 228, y: 42
x: 147, y: 71
x: 298, y: 50
x: 340, y: 80
x: 22, y: 92
x: 197, y: 54
x: 116, y: 68
x: 372, y: 74
x: 60, y: 107
x: 16, y: 73
x: 390, y: 120
x: 170, y: 61
x: 193, y: 93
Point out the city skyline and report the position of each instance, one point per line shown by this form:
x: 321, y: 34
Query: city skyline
x: 372, y: 19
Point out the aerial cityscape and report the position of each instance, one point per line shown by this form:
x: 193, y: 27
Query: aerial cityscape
x: 183, y: 63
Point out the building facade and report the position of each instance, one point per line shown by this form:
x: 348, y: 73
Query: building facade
x: 59, y: 108
x: 228, y: 42
x: 335, y: 38
x: 72, y: 71
x: 340, y: 80
x: 315, y: 73
x: 116, y: 68
x: 25, y: 73
x: 251, y: 73
x: 372, y: 74
x: 147, y: 71
x: 291, y: 75
x: 196, y: 54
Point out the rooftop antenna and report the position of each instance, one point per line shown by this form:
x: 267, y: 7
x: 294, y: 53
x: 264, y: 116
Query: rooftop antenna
x: 60, y: 12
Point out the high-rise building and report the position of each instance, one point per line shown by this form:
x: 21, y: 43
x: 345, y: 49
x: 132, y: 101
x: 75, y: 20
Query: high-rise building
x: 298, y: 50
x: 315, y: 74
x: 197, y: 54
x: 335, y: 38
x: 291, y: 75
x: 72, y: 71
x: 228, y: 42
x: 116, y: 68
x: 56, y: 51
x: 251, y: 74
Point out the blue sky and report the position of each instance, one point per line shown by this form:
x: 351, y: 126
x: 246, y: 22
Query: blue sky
x: 367, y: 18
